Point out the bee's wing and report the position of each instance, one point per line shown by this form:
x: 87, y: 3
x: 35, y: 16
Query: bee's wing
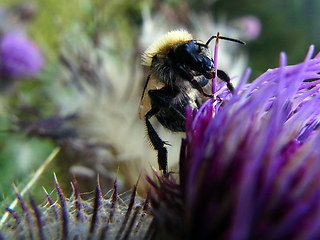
x: 152, y: 83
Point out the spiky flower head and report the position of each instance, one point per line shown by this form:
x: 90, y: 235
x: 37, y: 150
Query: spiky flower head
x: 120, y: 216
x: 19, y: 56
x: 249, y: 165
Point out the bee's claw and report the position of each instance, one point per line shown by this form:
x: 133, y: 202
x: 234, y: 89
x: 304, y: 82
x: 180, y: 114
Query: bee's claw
x: 166, y: 143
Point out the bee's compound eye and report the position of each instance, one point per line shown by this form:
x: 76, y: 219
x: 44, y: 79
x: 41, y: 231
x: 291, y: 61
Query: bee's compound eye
x: 208, y: 64
x: 211, y: 65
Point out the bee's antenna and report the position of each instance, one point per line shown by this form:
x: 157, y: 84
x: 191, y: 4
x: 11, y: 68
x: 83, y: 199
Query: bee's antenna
x: 225, y: 38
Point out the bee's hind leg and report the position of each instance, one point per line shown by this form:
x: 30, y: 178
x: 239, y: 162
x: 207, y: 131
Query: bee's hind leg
x: 157, y: 143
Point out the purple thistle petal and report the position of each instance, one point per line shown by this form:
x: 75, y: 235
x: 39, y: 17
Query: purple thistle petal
x: 261, y: 142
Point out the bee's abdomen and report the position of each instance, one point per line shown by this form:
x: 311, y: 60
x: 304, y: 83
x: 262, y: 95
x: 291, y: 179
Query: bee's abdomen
x: 171, y: 121
x: 174, y: 117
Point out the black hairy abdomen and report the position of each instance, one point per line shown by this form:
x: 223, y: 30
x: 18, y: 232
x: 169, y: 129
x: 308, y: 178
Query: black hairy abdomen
x: 171, y: 121
x: 171, y: 108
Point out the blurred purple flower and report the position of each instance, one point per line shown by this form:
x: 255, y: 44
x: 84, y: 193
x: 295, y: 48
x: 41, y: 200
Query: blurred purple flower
x: 249, y: 167
x: 19, y: 56
x: 250, y: 27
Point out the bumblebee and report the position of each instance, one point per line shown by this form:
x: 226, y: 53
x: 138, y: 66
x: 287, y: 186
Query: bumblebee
x: 180, y: 74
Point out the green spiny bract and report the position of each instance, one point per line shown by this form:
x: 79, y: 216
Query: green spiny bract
x: 122, y: 216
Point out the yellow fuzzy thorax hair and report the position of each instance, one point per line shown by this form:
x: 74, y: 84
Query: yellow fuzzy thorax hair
x: 164, y: 44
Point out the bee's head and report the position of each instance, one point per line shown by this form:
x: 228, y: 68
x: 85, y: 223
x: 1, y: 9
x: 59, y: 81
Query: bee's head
x: 195, y: 56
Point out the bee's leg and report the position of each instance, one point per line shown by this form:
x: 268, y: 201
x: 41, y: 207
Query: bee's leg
x: 161, y: 99
x: 156, y: 141
x: 193, y: 82
x: 224, y: 77
x: 197, y: 86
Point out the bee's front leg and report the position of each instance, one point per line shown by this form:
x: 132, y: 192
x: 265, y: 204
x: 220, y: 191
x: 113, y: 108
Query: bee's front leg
x: 189, y: 77
x: 224, y: 77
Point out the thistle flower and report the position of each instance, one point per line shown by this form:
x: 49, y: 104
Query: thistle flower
x: 19, y: 56
x: 248, y: 165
